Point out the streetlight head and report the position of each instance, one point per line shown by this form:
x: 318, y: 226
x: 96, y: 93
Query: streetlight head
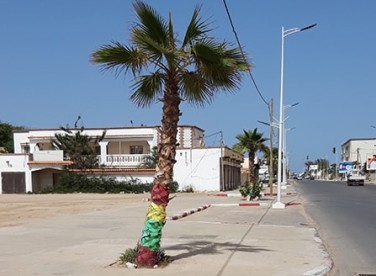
x: 264, y: 123
x: 295, y: 104
x: 308, y: 27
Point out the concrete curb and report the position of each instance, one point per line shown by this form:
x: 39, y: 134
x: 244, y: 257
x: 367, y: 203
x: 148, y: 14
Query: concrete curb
x: 227, y: 195
x: 262, y: 194
x: 323, y: 269
x: 187, y: 213
x: 245, y: 204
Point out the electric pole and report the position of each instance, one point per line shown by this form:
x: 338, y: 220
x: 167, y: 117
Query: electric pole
x: 271, y: 174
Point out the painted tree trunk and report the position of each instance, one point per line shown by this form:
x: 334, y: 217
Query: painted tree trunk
x: 251, y: 158
x: 156, y: 214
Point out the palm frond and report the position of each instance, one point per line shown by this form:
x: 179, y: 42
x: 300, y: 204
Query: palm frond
x: 195, y: 88
x: 119, y: 57
x: 196, y: 28
x: 151, y: 23
x: 219, y: 65
x: 147, y: 89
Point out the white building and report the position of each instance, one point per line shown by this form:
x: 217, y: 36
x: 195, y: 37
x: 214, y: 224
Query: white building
x: 358, y: 150
x: 36, y: 165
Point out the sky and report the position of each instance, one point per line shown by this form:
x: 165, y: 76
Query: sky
x: 47, y: 80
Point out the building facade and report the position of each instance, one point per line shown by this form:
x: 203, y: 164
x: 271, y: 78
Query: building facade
x: 36, y: 164
x: 359, y: 151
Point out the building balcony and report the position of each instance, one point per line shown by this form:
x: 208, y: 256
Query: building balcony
x: 123, y: 160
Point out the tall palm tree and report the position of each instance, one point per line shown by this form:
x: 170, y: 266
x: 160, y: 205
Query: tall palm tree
x: 170, y: 70
x: 251, y: 142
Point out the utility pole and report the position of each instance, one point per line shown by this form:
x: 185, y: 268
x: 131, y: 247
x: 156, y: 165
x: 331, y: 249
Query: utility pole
x: 271, y: 174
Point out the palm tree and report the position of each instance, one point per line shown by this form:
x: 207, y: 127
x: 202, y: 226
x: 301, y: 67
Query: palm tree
x: 251, y: 142
x: 169, y: 70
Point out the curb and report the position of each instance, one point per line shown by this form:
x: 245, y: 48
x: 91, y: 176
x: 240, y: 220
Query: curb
x: 323, y: 269
x: 283, y: 194
x: 239, y: 195
x: 248, y: 204
x: 187, y: 213
x: 227, y: 195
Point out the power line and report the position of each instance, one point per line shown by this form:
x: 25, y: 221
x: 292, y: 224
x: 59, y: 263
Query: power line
x: 241, y: 50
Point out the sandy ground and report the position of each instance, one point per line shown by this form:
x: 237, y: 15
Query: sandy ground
x: 16, y: 209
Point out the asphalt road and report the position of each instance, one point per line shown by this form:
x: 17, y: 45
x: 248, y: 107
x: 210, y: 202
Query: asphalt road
x: 346, y: 220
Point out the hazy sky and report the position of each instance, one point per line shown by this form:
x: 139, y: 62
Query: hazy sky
x: 46, y: 79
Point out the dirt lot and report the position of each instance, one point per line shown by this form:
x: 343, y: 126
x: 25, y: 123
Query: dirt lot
x: 17, y: 209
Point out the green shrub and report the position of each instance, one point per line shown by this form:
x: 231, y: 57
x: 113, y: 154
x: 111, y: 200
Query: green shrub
x: 130, y: 254
x: 72, y: 182
x: 174, y: 187
x: 251, y: 190
x: 188, y: 189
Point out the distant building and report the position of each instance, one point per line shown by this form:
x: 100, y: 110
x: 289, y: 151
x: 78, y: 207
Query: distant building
x: 360, y: 151
x: 36, y: 165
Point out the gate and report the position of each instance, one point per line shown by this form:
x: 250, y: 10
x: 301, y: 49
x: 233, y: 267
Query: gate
x: 13, y: 182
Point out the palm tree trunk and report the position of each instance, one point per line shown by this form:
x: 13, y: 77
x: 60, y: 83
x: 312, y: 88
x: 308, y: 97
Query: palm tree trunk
x: 251, y: 157
x: 156, y: 213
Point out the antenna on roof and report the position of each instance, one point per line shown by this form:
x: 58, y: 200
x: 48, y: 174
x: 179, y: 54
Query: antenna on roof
x: 78, y: 118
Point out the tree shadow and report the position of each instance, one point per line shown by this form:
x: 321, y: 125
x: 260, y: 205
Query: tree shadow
x: 210, y: 248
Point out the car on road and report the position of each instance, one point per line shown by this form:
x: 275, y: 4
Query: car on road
x: 355, y: 176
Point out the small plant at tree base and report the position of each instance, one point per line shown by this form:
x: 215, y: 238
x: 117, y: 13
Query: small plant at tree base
x: 245, y: 190
x: 129, y: 256
x: 256, y: 190
x: 250, y: 189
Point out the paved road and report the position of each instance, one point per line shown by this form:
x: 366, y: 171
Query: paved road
x: 346, y: 218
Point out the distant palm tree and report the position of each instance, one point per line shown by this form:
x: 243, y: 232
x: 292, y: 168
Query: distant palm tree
x: 170, y: 70
x: 275, y: 160
x: 251, y: 142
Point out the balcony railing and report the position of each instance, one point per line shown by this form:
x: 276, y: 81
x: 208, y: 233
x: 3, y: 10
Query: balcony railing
x: 123, y: 160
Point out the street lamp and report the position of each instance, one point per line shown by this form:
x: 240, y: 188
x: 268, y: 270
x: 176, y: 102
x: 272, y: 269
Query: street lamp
x: 284, y: 150
x: 285, y: 157
x: 284, y: 33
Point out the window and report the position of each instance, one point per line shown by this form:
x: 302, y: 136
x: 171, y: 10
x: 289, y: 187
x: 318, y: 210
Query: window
x: 136, y: 149
x: 25, y: 148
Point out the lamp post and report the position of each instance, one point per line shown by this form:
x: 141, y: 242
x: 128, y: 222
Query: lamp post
x: 271, y: 159
x: 285, y: 158
x: 284, y: 33
x: 284, y: 150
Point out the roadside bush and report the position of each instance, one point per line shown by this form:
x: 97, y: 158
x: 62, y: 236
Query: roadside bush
x: 253, y: 190
x: 174, y: 187
x: 72, y: 182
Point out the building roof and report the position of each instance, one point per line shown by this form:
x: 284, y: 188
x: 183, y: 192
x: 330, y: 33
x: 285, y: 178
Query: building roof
x: 96, y: 128
x: 358, y: 139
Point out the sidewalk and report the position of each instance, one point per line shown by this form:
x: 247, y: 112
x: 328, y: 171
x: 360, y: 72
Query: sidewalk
x: 222, y: 239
